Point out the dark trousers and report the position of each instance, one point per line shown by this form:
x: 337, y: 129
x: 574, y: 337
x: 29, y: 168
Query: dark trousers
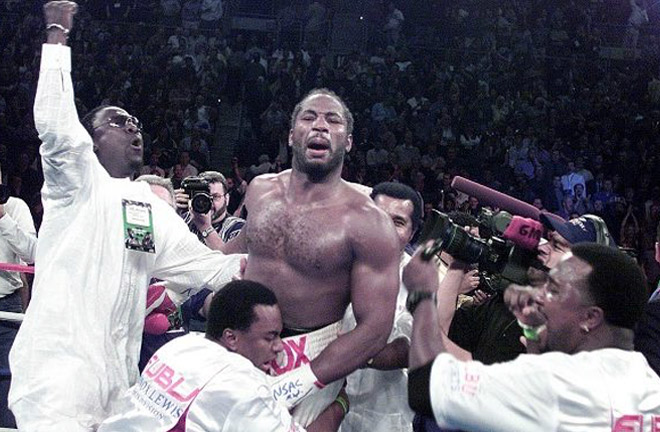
x: 8, y: 330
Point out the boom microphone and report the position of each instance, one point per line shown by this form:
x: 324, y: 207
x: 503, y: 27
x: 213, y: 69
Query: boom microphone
x: 494, y: 198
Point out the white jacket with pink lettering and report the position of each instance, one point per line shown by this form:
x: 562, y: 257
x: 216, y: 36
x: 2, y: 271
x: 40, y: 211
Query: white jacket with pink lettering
x: 602, y: 390
x: 193, y: 384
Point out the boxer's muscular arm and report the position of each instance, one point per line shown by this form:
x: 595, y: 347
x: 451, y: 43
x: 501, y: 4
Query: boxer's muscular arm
x: 374, y: 288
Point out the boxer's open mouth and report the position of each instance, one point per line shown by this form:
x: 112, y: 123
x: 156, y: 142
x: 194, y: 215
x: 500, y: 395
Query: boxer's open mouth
x: 318, y: 146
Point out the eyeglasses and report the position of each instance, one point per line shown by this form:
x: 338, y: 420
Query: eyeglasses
x: 120, y: 121
x: 218, y: 196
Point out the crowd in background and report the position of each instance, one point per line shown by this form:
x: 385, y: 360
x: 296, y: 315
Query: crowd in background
x: 518, y: 96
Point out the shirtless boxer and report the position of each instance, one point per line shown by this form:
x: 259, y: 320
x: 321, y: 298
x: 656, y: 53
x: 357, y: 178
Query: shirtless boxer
x: 320, y: 244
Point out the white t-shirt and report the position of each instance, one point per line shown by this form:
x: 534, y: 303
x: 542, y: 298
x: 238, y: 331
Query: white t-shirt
x: 195, y: 384
x: 603, y: 390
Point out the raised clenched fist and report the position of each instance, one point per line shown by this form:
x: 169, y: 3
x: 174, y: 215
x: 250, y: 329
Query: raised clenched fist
x: 60, y: 12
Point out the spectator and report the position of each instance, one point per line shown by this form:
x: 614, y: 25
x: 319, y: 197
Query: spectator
x: 470, y: 140
x: 393, y: 24
x: 210, y: 14
x: 572, y: 178
x: 581, y: 203
x: 170, y: 11
x: 538, y: 203
x: 638, y: 17
x: 263, y: 167
x: 199, y: 158
x: 629, y: 236
x: 187, y: 168
x: 117, y: 10
x: 236, y: 187
x: 315, y: 26
x: 153, y: 167
x: 407, y: 153
x: 190, y: 13
x: 218, y: 220
x: 606, y: 195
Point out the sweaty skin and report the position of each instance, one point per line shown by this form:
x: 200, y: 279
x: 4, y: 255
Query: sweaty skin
x: 319, y: 244
x: 305, y: 251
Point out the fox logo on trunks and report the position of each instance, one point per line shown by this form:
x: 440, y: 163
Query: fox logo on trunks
x: 293, y: 356
x: 294, y: 383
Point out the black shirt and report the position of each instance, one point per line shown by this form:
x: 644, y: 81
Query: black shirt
x: 489, y: 331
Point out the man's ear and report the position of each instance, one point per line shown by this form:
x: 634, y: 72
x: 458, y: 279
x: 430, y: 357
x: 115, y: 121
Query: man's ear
x: 230, y: 339
x: 350, y: 143
x: 594, y: 318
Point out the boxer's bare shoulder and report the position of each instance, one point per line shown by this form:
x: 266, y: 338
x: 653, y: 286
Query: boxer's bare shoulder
x: 369, y: 229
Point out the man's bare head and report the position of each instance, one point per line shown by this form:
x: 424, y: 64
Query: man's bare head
x: 592, y: 299
x: 160, y: 186
x: 403, y: 205
x: 346, y: 113
x: 117, y: 138
x: 319, y: 136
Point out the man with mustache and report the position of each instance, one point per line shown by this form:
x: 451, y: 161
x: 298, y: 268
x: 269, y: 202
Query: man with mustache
x: 319, y: 243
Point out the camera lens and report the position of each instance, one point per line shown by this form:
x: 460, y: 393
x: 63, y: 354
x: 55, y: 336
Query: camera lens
x: 461, y: 245
x: 201, y: 203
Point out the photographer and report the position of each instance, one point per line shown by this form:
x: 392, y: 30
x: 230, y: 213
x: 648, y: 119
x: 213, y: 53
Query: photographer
x: 489, y: 332
x: 468, y: 291
x: 215, y: 226
x: 485, y: 331
x: 204, y: 200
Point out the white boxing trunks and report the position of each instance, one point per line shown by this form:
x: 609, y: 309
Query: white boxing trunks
x: 298, y: 351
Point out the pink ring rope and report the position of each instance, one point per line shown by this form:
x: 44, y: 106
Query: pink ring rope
x: 16, y: 267
x: 12, y: 316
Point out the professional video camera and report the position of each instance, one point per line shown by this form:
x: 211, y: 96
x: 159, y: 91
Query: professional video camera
x: 504, y: 254
x: 198, y: 190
